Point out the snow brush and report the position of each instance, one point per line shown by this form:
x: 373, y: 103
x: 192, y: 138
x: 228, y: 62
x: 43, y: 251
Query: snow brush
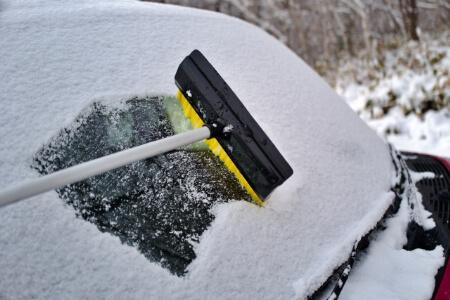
x: 218, y: 117
x: 240, y: 143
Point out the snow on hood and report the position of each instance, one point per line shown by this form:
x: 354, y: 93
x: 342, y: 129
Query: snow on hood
x: 59, y: 57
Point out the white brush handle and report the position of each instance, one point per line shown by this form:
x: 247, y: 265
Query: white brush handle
x: 101, y: 165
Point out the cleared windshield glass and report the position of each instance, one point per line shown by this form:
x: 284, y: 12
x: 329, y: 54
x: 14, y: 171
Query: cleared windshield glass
x: 159, y: 205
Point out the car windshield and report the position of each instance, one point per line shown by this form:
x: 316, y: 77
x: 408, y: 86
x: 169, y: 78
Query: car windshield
x: 159, y: 205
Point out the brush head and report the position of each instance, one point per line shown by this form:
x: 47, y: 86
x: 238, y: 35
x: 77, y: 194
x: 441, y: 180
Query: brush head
x: 252, y: 156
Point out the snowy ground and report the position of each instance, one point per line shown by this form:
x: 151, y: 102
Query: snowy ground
x: 404, y: 94
x: 59, y: 57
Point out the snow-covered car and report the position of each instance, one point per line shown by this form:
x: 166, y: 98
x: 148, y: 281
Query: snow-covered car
x: 81, y: 79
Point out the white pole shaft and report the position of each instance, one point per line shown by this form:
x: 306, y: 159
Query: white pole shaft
x: 100, y: 165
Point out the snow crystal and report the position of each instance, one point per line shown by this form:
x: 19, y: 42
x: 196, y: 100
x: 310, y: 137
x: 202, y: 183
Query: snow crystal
x: 228, y: 128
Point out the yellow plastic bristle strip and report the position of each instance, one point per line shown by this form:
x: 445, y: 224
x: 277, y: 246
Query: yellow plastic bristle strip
x: 215, y: 147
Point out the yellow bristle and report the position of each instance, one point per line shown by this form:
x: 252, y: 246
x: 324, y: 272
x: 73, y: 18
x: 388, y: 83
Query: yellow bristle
x: 215, y: 147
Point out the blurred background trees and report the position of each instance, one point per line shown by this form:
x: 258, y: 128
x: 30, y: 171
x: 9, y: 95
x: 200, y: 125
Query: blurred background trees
x: 323, y: 32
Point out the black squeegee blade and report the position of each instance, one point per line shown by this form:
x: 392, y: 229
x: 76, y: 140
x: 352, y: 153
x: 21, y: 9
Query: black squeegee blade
x: 247, y: 145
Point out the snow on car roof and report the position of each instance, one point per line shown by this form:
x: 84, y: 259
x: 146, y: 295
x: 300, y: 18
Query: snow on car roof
x: 58, y: 57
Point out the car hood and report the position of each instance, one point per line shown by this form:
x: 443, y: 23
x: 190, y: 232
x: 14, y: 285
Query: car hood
x: 58, y: 57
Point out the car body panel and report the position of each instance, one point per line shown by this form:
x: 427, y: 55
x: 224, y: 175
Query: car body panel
x: 60, y: 57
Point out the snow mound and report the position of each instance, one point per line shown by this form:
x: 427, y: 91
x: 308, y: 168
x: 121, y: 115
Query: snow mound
x: 404, y: 94
x: 58, y: 58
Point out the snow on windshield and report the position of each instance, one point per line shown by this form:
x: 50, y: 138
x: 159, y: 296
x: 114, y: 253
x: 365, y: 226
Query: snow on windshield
x: 59, y: 58
x: 159, y: 205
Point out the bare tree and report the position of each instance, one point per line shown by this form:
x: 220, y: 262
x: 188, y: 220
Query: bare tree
x: 410, y: 15
x: 320, y: 31
x: 437, y: 15
x: 395, y: 15
x: 342, y: 33
x: 359, y: 8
